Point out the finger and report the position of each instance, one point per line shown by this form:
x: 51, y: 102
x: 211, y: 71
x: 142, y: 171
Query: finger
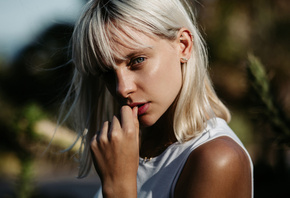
x: 95, y: 163
x: 94, y: 139
x: 115, y: 127
x: 135, y: 117
x: 102, y: 137
x: 93, y: 155
x: 136, y: 123
x: 127, y: 119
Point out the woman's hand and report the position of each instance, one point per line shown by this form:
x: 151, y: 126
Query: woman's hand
x: 115, y: 152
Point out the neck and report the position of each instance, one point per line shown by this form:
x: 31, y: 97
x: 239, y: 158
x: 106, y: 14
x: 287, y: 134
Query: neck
x: 155, y: 139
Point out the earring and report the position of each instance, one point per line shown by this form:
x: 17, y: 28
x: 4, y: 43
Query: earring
x: 190, y: 35
x: 181, y: 38
x: 183, y: 60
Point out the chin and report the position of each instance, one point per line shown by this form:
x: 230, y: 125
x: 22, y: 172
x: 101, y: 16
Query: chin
x: 146, y: 121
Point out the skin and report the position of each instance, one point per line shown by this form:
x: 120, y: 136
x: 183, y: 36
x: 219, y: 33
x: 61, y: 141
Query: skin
x: 146, y: 83
x: 219, y: 168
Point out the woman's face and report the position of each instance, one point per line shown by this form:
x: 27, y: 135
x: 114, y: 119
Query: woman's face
x: 149, y: 78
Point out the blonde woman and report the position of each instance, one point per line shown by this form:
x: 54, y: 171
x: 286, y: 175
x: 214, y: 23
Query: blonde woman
x: 154, y: 126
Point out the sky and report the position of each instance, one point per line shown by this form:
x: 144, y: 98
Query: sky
x: 22, y: 20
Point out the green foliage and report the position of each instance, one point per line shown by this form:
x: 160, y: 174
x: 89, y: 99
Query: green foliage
x: 261, y: 85
x: 18, y: 136
x: 25, y: 181
x: 25, y: 120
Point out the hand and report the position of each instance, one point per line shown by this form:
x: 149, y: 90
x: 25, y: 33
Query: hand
x: 115, y: 152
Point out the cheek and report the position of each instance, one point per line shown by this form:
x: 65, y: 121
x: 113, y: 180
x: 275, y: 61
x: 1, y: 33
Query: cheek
x: 171, y: 73
x: 166, y: 77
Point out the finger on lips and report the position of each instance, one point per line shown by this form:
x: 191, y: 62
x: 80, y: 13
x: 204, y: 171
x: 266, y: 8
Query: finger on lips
x: 127, y: 119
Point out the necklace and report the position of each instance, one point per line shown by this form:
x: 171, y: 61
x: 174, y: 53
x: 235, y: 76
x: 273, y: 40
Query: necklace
x: 159, y: 150
x: 147, y: 159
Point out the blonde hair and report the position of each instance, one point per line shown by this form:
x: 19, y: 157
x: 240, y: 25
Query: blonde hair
x: 104, y: 21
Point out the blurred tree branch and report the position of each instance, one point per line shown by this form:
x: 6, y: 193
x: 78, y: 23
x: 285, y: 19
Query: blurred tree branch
x: 275, y: 115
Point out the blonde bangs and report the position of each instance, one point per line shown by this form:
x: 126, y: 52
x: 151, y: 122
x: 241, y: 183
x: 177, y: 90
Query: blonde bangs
x: 97, y: 36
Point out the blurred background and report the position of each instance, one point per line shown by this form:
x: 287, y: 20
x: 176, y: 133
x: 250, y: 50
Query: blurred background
x: 249, y: 52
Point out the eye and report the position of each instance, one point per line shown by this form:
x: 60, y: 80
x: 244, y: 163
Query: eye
x: 137, y: 61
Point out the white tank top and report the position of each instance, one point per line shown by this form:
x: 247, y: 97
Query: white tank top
x: 157, y: 178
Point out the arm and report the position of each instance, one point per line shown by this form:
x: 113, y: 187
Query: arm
x: 219, y: 168
x: 115, y: 152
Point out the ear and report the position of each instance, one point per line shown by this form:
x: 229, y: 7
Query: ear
x: 185, y: 40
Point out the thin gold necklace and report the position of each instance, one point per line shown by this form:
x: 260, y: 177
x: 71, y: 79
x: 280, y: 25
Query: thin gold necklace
x: 147, y: 159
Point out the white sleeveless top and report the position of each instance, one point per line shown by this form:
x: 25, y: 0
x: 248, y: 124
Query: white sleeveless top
x: 157, y: 178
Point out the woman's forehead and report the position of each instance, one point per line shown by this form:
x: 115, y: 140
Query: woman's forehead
x: 125, y: 44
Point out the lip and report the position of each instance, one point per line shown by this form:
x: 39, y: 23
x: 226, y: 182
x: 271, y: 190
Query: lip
x: 142, y: 107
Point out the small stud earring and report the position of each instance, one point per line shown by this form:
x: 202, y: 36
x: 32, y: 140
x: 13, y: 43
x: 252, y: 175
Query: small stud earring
x: 184, y: 60
x: 181, y: 37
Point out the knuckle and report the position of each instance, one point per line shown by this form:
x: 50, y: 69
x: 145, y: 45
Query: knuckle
x: 131, y: 133
x: 93, y: 141
x: 102, y: 139
x: 115, y: 123
x: 115, y: 136
x: 105, y: 126
x: 125, y: 108
x: 94, y: 144
x: 114, y: 120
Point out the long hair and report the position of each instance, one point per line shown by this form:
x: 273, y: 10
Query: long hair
x: 104, y: 22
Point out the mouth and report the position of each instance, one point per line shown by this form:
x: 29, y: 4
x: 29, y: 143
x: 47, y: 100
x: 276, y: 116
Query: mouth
x: 142, y: 107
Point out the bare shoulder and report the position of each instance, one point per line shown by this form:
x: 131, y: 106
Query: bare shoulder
x: 218, y: 168
x: 219, y: 153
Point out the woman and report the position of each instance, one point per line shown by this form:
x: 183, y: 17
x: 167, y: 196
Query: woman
x: 142, y: 65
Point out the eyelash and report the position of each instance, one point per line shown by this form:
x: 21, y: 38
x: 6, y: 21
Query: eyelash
x: 133, y: 64
x: 137, y: 61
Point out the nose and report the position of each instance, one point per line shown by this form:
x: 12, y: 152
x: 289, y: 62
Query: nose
x: 125, y: 82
